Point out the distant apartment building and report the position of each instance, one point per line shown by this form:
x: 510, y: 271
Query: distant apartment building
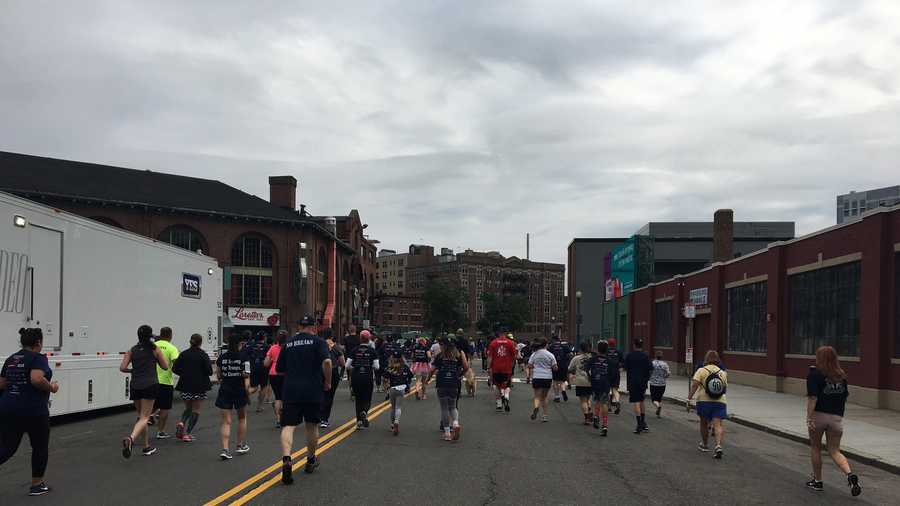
x: 852, y: 205
x: 390, y: 274
x: 399, y: 313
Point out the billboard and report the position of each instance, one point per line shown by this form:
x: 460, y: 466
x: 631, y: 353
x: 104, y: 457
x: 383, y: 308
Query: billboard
x: 623, y: 267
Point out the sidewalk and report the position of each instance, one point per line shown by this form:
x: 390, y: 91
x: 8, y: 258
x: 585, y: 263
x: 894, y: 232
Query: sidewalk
x: 871, y: 436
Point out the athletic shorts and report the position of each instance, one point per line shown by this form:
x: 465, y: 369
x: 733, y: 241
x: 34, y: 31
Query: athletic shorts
x: 656, y: 393
x: 637, y: 393
x: 583, y: 391
x: 295, y: 413
x: 708, y: 410
x: 561, y: 374
x: 193, y: 396
x: 833, y: 424
x: 501, y: 379
x: 227, y: 400
x: 538, y: 383
x: 277, y: 383
x: 145, y: 393
x: 601, y: 396
x: 164, y: 397
x: 259, y: 377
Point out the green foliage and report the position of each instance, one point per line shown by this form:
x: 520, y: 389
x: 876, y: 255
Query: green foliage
x: 442, y: 307
x: 509, y: 312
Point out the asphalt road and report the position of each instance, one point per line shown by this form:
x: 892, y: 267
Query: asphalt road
x: 500, y: 459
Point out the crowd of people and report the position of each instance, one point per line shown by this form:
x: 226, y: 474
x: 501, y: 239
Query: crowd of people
x: 299, y: 374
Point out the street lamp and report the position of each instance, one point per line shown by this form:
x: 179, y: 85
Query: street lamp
x: 578, y: 318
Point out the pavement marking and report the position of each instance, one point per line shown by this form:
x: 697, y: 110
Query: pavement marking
x: 276, y: 466
x: 80, y: 434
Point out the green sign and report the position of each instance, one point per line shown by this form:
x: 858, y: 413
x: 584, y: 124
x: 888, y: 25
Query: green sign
x: 623, y: 265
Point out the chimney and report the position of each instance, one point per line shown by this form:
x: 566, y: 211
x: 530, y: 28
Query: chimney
x: 723, y: 235
x: 283, y: 191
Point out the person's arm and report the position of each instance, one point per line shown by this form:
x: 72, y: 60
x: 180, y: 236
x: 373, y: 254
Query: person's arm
x: 326, y: 373
x: 207, y: 365
x: 250, y: 390
x: 161, y: 358
x: 465, y: 362
x: 349, y: 365
x: 555, y: 365
x: 666, y: 369
x: 126, y: 360
x: 39, y: 381
x: 267, y: 362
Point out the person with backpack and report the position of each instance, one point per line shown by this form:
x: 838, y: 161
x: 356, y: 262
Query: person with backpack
x: 578, y: 376
x: 421, y: 360
x: 336, y: 353
x: 710, y: 383
x: 616, y: 359
x: 827, y: 392
x: 449, y: 367
x: 257, y: 349
x: 398, y: 379
x: 600, y: 369
x: 562, y: 350
x: 233, y: 370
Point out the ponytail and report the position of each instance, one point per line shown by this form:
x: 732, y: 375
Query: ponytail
x: 145, y: 336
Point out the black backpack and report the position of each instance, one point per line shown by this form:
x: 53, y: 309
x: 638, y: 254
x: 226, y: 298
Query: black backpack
x: 715, y: 384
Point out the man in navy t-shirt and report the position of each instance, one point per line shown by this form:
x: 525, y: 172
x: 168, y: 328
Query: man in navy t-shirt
x: 306, y: 364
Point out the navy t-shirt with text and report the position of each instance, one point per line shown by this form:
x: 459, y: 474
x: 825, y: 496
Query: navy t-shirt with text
x: 301, y: 361
x: 21, y: 397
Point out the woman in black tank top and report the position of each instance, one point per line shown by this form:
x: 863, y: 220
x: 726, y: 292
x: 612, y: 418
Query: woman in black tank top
x: 143, y: 359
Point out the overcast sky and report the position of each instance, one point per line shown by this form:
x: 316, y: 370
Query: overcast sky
x: 468, y: 124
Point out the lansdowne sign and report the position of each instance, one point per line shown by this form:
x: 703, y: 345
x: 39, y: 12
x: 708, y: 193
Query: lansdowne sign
x: 254, y: 316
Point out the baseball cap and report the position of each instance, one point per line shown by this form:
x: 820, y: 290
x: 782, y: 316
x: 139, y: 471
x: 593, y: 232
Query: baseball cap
x: 365, y: 333
x: 307, y: 321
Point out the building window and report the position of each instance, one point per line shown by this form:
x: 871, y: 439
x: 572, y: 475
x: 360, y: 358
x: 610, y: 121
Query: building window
x: 183, y: 237
x: 747, y: 307
x: 251, y: 271
x: 322, y: 277
x: 663, y: 320
x: 897, y: 305
x: 825, y: 310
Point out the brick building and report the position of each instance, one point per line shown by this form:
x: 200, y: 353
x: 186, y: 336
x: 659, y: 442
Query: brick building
x: 399, y: 313
x: 280, y: 263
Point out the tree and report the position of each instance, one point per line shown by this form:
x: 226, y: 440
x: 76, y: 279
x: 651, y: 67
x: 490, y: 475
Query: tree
x: 507, y: 312
x: 442, y: 307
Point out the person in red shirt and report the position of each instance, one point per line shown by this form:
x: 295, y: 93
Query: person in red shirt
x: 502, y: 355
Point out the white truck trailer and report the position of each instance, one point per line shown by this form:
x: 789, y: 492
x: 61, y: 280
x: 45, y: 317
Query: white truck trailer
x: 89, y: 286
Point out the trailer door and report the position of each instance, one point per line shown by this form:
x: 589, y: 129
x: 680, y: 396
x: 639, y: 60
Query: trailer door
x: 45, y: 255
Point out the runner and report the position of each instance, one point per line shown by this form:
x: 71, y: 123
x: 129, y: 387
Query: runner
x: 421, y: 358
x: 398, y: 377
x: 563, y: 353
x: 362, y: 364
x: 501, y: 356
x: 143, y: 359
x: 276, y: 380
x: 826, y: 390
x: 709, y: 383
x: 26, y: 382
x: 193, y: 368
x: 336, y: 353
x: 163, y: 403
x: 259, y: 373
x: 306, y: 364
x: 658, y: 382
x: 615, y: 362
x: 600, y: 370
x: 449, y: 366
x: 542, y: 365
x: 638, y: 367
x: 525, y: 352
x: 382, y: 358
x: 579, y: 377
x: 234, y: 373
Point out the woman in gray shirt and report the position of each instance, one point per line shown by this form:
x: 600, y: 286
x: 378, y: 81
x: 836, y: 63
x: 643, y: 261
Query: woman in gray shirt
x: 143, y: 359
x: 658, y: 382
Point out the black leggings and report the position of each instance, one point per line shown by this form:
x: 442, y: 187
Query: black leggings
x: 328, y: 401
x: 362, y: 392
x: 13, y: 427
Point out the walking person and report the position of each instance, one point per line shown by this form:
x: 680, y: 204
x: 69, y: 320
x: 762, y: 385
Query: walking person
x: 234, y: 373
x: 164, y: 397
x: 398, y: 377
x: 501, y: 357
x: 578, y: 376
x: 541, y: 365
x: 826, y: 391
x: 601, y: 371
x: 26, y: 382
x: 615, y: 362
x: 658, y: 382
x: 449, y: 366
x: 525, y: 352
x: 276, y: 380
x: 421, y: 359
x: 709, y: 383
x: 338, y: 362
x: 193, y: 368
x: 259, y: 373
x: 306, y: 364
x: 562, y: 350
x: 362, y: 365
x: 143, y: 359
x: 638, y: 368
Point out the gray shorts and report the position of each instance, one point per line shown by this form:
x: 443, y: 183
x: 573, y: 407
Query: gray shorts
x: 601, y: 396
x: 825, y: 422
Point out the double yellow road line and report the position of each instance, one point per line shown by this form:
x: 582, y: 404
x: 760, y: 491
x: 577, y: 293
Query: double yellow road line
x: 325, y: 443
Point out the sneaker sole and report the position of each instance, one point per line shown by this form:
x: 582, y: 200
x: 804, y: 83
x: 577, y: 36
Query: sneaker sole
x: 35, y: 494
x: 126, y: 450
x: 855, y: 489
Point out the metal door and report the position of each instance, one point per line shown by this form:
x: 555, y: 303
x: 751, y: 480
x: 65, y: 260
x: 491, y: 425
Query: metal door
x: 45, y: 255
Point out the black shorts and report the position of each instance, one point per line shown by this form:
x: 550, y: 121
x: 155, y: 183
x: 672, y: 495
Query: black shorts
x: 583, y: 391
x: 164, y: 397
x: 228, y: 400
x: 259, y: 377
x: 561, y: 374
x: 541, y: 383
x: 501, y: 379
x: 656, y: 393
x: 277, y: 383
x: 295, y: 413
x: 145, y: 393
x: 637, y: 393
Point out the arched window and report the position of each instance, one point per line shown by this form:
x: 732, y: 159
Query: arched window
x: 322, y: 277
x: 251, y: 271
x: 183, y: 237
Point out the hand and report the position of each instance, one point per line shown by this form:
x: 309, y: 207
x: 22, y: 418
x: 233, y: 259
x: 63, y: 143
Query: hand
x: 327, y: 386
x: 54, y: 386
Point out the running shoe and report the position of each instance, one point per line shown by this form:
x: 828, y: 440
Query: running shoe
x: 816, y: 485
x: 455, y: 432
x: 242, y: 449
x: 499, y: 405
x: 703, y: 447
x: 163, y: 435
x: 359, y: 424
x: 596, y: 421
x: 226, y: 455
x: 311, y: 464
x: 127, y: 443
x: 395, y: 428
x: 506, y: 404
x: 645, y: 428
x: 39, y: 489
x: 557, y: 400
x: 446, y: 436
x: 278, y: 425
x: 638, y: 429
x: 179, y: 430
x: 618, y: 407
x: 286, y: 472
x: 323, y: 424
x: 587, y: 419
x: 534, y: 414
x: 187, y: 438
x: 152, y: 420
x: 148, y: 451
x: 718, y: 452
x: 365, y: 421
x: 544, y: 419
x: 565, y: 396
x: 853, y: 481
x: 603, y: 431
x: 658, y: 411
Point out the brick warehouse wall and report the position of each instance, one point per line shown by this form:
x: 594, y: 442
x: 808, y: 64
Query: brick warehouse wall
x: 874, y: 374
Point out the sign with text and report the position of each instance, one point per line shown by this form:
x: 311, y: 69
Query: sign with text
x: 190, y: 285
x: 623, y: 265
x: 254, y: 316
x: 699, y: 296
